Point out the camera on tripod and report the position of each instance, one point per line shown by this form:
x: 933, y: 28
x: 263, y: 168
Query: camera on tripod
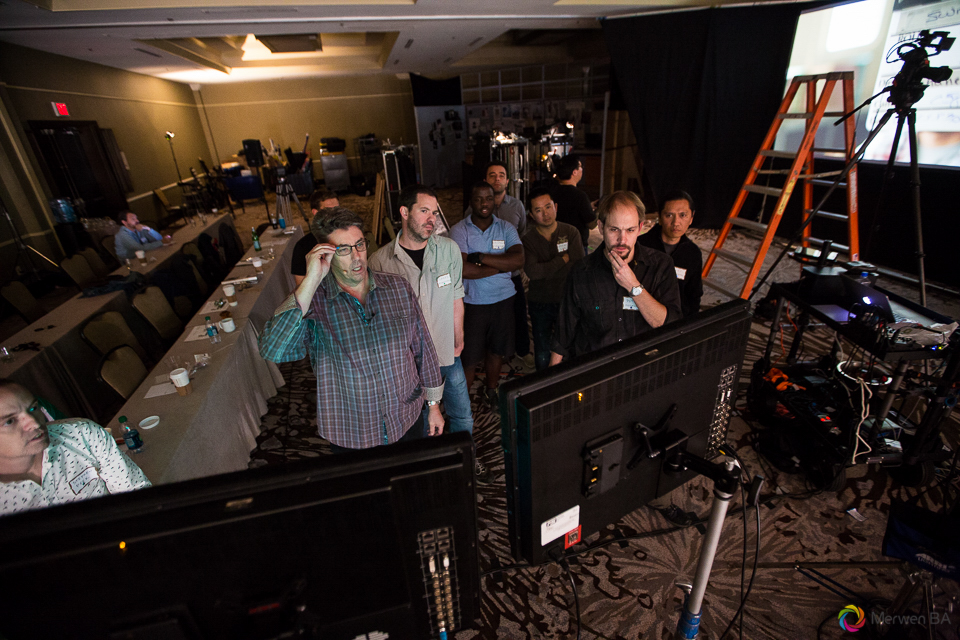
x: 907, y: 87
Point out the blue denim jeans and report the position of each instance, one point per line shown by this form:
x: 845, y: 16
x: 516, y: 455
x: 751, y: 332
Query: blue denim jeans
x: 543, y: 317
x: 456, y: 400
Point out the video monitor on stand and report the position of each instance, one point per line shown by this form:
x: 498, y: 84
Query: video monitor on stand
x: 578, y: 438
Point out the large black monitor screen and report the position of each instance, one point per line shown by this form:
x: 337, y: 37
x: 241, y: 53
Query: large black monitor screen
x: 570, y: 432
x: 376, y: 544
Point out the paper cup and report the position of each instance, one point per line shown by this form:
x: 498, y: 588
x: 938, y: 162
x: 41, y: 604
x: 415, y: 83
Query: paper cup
x: 258, y: 265
x: 231, y: 292
x: 181, y: 380
x: 227, y: 325
x: 142, y: 257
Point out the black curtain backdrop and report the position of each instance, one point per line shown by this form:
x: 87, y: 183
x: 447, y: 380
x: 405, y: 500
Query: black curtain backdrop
x: 702, y: 88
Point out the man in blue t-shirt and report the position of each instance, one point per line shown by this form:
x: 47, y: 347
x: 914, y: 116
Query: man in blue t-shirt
x: 491, y: 250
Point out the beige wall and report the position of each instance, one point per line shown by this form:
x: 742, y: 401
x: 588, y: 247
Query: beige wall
x: 138, y: 108
x: 286, y: 110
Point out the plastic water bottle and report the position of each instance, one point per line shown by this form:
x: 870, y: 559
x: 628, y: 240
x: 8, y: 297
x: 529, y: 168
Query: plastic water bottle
x: 282, y: 220
x: 256, y: 238
x: 212, y: 331
x: 131, y: 437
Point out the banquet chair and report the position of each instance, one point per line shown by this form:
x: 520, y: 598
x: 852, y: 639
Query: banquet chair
x: 79, y: 271
x: 17, y: 294
x: 123, y: 370
x: 109, y: 330
x: 110, y: 244
x: 97, y: 265
x: 153, y: 306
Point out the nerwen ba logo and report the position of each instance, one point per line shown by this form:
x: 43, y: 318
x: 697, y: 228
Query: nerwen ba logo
x: 847, y: 615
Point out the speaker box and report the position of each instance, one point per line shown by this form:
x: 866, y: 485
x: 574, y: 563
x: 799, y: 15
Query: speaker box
x: 253, y: 150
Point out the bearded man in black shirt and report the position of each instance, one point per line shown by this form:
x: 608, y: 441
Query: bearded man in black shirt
x: 620, y: 290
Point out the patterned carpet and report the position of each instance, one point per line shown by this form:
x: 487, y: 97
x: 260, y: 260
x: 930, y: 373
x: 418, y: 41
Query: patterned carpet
x: 628, y: 591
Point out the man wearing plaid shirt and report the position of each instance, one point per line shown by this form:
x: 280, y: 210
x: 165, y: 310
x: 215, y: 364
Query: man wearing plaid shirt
x: 367, y: 339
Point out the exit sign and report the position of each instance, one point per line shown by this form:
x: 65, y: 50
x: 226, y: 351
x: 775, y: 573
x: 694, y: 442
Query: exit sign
x: 60, y: 109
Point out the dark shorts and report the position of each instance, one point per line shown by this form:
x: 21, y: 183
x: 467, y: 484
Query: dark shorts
x: 487, y: 328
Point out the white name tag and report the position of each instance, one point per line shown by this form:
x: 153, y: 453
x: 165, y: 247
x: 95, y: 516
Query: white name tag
x: 629, y: 304
x: 681, y: 273
x: 444, y: 280
x: 86, y: 476
x: 562, y: 246
x: 498, y: 244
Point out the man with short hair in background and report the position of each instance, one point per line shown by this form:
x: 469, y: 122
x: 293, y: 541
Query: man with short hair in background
x: 491, y: 250
x: 133, y: 237
x: 368, y: 342
x: 432, y: 265
x: 573, y: 204
x: 320, y: 199
x: 550, y: 249
x: 44, y: 463
x: 670, y: 237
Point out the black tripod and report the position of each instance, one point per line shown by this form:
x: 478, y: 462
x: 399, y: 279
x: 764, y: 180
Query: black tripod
x: 905, y: 90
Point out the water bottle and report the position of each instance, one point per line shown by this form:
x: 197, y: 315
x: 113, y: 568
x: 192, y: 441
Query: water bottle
x: 282, y: 221
x: 131, y: 437
x: 273, y: 222
x: 212, y: 331
x: 256, y: 238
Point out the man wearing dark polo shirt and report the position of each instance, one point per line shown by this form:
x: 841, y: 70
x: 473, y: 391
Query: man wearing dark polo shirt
x: 573, y: 205
x: 620, y: 290
x: 322, y: 198
x: 670, y: 237
x: 550, y: 249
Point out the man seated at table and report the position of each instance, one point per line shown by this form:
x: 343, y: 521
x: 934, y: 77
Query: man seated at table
x: 48, y: 463
x: 322, y: 198
x: 368, y: 342
x: 133, y: 237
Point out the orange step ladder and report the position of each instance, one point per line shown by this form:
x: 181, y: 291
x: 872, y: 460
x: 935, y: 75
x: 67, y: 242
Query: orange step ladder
x: 801, y: 168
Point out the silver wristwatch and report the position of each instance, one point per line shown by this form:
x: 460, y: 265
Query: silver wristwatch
x: 637, y: 290
x: 432, y: 403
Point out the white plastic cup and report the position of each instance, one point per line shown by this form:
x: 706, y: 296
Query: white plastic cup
x: 181, y: 380
x: 142, y: 257
x: 231, y: 292
x: 258, y: 266
x: 227, y: 325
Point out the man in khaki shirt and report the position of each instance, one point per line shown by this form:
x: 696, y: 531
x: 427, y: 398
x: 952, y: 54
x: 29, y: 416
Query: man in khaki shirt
x: 434, y: 268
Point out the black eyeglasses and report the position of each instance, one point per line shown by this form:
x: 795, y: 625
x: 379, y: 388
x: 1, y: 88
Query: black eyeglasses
x: 347, y: 249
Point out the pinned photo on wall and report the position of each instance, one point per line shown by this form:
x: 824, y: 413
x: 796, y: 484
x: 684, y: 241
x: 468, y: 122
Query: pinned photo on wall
x: 474, y: 125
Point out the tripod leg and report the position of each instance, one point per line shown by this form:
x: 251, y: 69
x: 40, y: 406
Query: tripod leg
x: 887, y: 178
x: 915, y: 192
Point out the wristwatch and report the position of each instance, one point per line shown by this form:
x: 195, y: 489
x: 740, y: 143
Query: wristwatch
x: 432, y: 403
x: 637, y: 290
x: 476, y: 258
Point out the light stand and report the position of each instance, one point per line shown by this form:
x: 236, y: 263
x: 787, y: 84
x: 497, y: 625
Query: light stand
x: 726, y: 478
x: 170, y: 135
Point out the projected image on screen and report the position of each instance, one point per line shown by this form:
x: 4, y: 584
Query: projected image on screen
x: 938, y: 112
x: 857, y: 36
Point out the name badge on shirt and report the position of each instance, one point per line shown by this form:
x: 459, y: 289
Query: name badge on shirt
x: 562, y: 245
x: 681, y: 273
x: 498, y: 244
x: 444, y: 280
x: 85, y: 477
x: 629, y: 304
